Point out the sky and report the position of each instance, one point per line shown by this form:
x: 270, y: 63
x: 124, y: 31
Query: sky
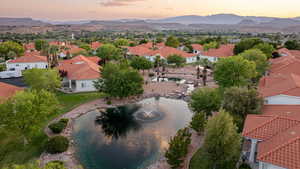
x: 61, y: 10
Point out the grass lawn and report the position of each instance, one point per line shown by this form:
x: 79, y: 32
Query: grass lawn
x: 11, y: 145
x: 198, y: 161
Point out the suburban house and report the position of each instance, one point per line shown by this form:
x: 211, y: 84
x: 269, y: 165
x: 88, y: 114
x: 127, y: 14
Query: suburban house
x: 286, y: 64
x: 29, y: 46
x: 280, y: 89
x: 28, y: 61
x: 151, y: 51
x: 79, y: 73
x: 7, y: 91
x: 197, y: 49
x: 70, y: 50
x: 214, y: 55
x: 273, y: 138
x: 95, y: 46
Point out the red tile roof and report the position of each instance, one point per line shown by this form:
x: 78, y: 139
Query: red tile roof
x: 96, y: 45
x: 139, y: 51
x: 7, y: 91
x: 29, y: 46
x: 286, y: 64
x: 291, y: 111
x: 279, y: 84
x: 222, y: 51
x: 263, y: 127
x: 282, y: 150
x: 278, y: 130
x: 30, y: 58
x: 80, y: 68
x: 167, y: 51
x: 150, y: 45
x: 73, y: 49
x: 198, y: 47
x: 162, y: 50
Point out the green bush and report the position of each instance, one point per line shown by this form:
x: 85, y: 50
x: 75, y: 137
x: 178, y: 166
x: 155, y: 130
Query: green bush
x: 151, y: 74
x: 59, y: 126
x: 55, y: 165
x: 57, y: 144
x: 245, y: 166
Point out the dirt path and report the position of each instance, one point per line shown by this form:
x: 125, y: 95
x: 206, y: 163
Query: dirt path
x: 197, y: 141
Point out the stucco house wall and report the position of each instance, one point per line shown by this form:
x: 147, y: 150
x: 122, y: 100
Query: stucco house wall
x: 24, y: 66
x: 263, y: 165
x: 282, y: 99
x: 85, y: 85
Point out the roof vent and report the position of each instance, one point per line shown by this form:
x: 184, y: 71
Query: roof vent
x: 293, y: 132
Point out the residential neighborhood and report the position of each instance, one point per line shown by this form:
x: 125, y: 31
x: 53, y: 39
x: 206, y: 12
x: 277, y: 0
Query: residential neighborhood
x: 140, y: 84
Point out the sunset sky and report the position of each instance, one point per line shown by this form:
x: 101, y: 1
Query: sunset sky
x: 117, y: 9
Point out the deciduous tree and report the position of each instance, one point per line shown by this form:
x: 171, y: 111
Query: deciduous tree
x: 108, y: 52
x: 120, y: 80
x: 222, y: 143
x: 22, y: 113
x: 234, y: 71
x: 172, y: 41
x: 40, y: 44
x: 266, y: 48
x: 6, y: 48
x: 141, y: 63
x: 175, y: 59
x: 259, y: 58
x: 205, y: 100
x: 246, y: 44
x: 240, y: 102
x: 39, y: 79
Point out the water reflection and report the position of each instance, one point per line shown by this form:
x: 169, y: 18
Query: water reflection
x: 117, y: 141
x: 117, y: 122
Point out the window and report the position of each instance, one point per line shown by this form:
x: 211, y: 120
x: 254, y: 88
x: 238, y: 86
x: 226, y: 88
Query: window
x: 17, y: 65
x: 82, y: 85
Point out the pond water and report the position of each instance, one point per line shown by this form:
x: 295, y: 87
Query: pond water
x: 166, y: 79
x: 117, y: 139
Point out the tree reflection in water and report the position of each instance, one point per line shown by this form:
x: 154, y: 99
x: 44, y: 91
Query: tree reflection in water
x: 117, y: 122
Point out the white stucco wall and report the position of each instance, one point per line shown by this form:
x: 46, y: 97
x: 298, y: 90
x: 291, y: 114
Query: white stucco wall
x: 210, y: 58
x: 191, y: 59
x: 23, y: 66
x: 282, y: 99
x: 85, y: 85
x: 263, y: 165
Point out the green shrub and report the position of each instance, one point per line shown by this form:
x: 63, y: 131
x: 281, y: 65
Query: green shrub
x: 57, y: 144
x: 64, y: 120
x: 59, y: 126
x: 151, y: 74
x: 245, y: 166
x: 55, y: 165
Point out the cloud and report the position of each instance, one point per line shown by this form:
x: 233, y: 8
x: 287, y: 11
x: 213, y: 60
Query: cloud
x: 118, y: 2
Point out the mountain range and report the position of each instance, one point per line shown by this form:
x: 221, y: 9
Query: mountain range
x: 223, y: 22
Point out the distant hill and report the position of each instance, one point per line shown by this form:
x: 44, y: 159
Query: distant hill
x: 219, y: 23
x: 20, y: 22
x: 223, y: 19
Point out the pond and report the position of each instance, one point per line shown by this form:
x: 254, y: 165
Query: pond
x: 131, y: 136
x: 166, y: 79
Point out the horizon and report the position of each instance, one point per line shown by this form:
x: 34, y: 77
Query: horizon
x: 136, y: 18
x: 76, y: 10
